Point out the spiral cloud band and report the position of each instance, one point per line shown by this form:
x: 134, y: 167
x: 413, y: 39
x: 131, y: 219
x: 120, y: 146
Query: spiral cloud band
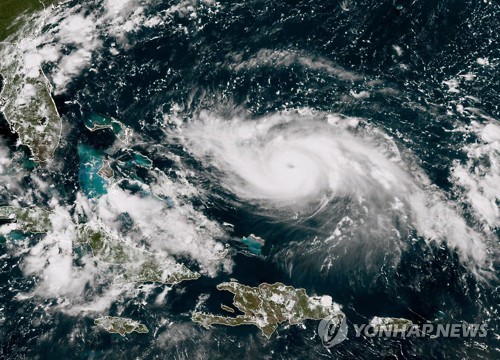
x: 346, y: 174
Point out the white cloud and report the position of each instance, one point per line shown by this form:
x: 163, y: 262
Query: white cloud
x: 278, y: 58
x: 479, y: 176
x: 70, y: 66
x: 295, y: 161
x: 52, y: 261
x: 176, y: 231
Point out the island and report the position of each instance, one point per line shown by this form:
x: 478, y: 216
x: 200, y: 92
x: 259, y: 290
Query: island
x: 119, y: 325
x: 106, y: 172
x: 30, y: 220
x: 268, y: 305
x: 390, y: 324
x: 97, y: 122
x: 227, y: 308
x: 134, y: 264
x: 131, y: 264
x: 254, y: 243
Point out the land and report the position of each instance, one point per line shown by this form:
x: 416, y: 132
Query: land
x: 10, y: 10
x: 106, y: 171
x: 391, y: 324
x: 27, y: 104
x: 119, y: 325
x: 133, y: 264
x: 137, y: 265
x: 98, y: 122
x: 27, y: 220
x: 269, y: 305
x: 25, y: 99
x: 227, y: 308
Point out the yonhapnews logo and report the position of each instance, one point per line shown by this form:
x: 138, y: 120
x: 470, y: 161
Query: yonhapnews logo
x: 333, y: 329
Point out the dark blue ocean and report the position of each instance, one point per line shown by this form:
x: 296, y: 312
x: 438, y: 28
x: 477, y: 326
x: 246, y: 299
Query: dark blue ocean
x: 387, y: 62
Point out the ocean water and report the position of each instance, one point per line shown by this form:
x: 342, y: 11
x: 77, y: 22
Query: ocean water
x: 360, y: 139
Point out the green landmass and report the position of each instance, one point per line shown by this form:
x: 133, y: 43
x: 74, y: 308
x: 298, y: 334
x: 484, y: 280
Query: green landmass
x: 137, y: 265
x: 28, y: 107
x: 164, y: 271
x: 134, y: 264
x: 269, y: 305
x: 119, y: 325
x: 10, y: 10
x: 27, y: 220
x: 25, y: 99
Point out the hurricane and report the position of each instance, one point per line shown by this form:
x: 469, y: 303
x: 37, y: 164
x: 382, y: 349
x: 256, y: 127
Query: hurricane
x: 340, y: 172
x: 220, y: 179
